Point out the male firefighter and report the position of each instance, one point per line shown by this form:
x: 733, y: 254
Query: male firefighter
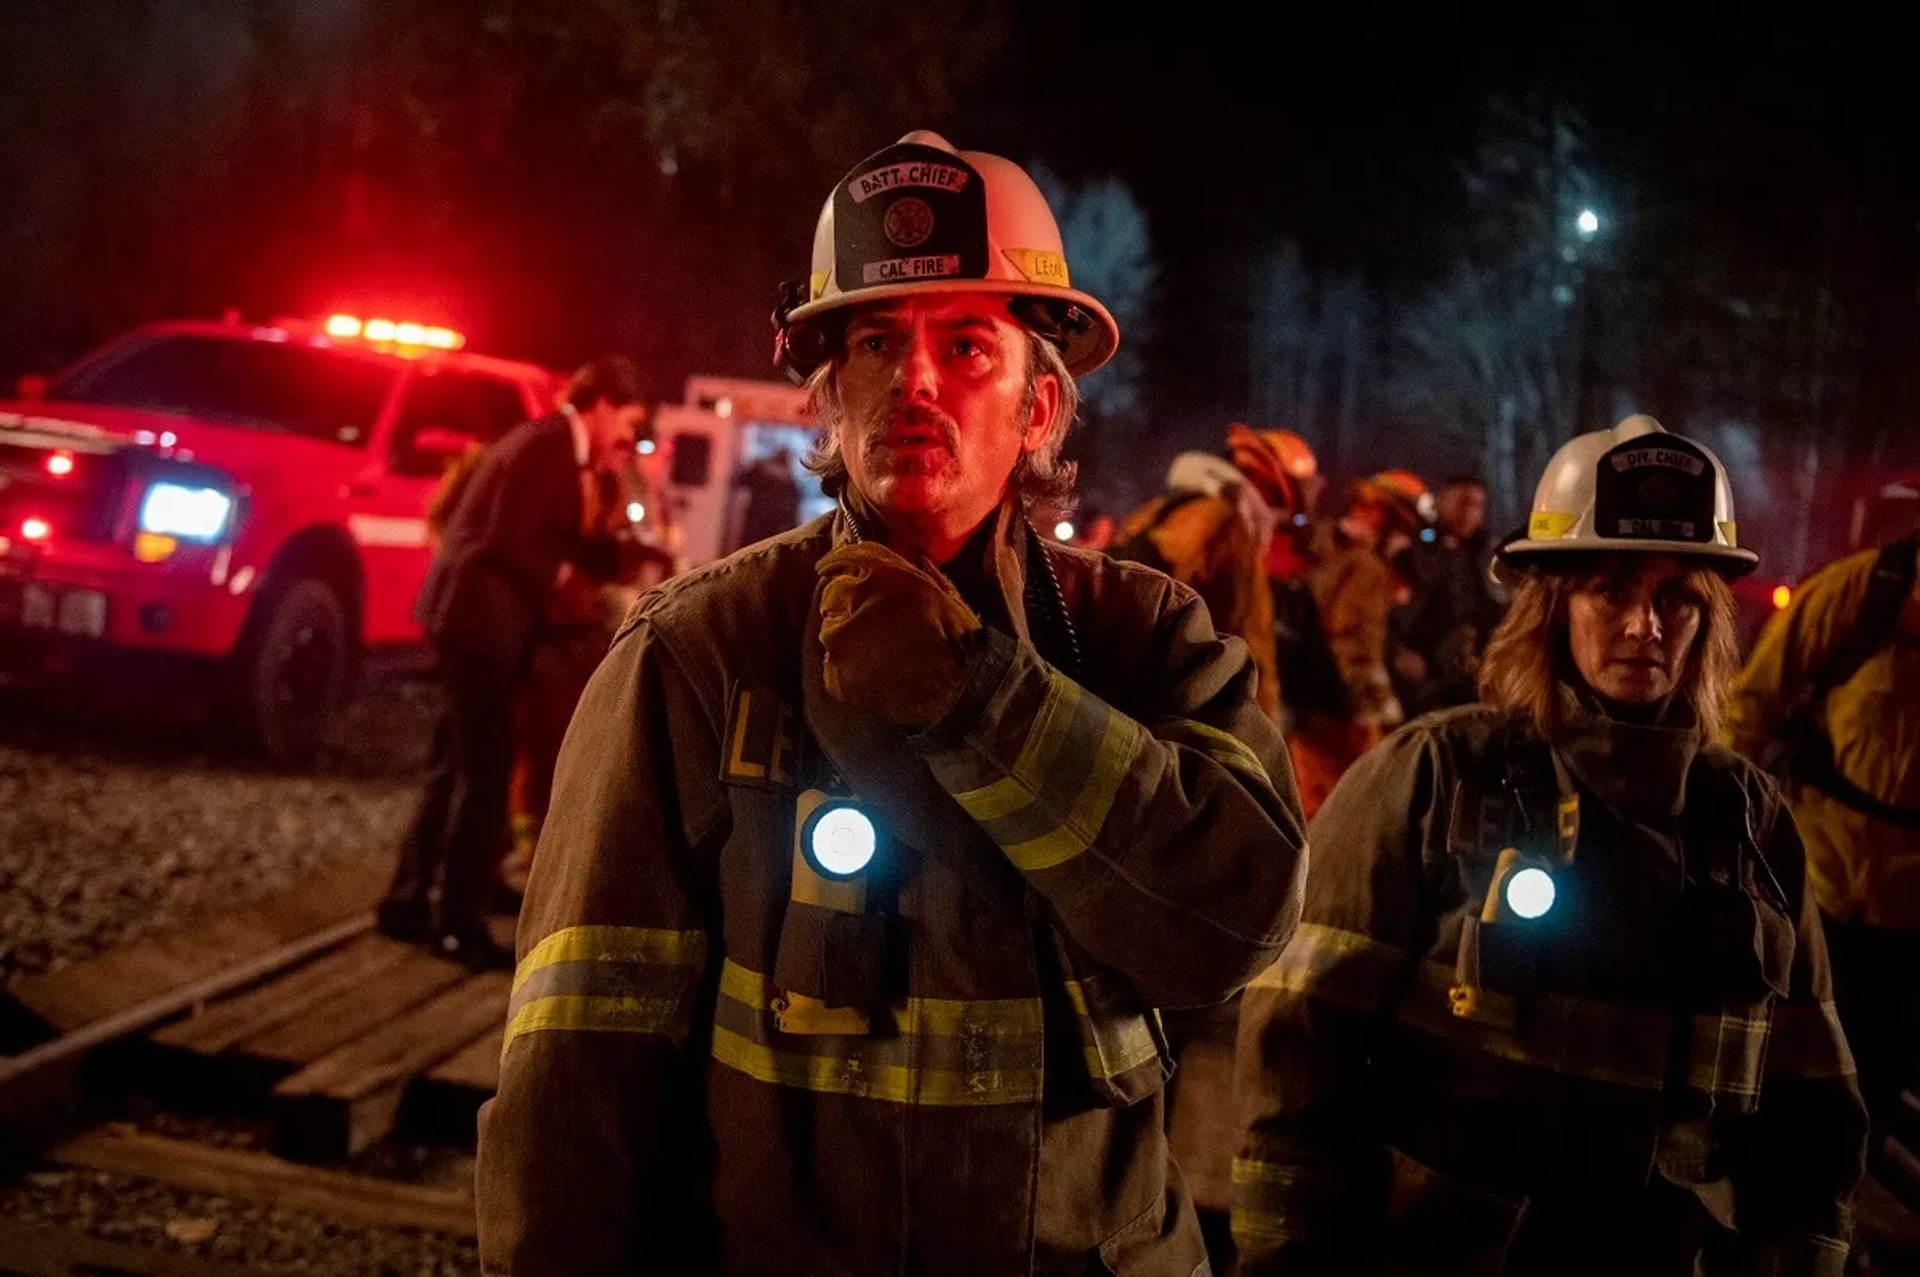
x: 876, y: 847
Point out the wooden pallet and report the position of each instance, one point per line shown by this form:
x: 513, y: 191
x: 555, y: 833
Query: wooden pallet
x: 350, y: 1098
x: 333, y: 1048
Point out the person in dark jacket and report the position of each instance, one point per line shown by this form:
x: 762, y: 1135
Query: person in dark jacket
x: 771, y: 498
x: 1559, y: 1001
x: 515, y: 533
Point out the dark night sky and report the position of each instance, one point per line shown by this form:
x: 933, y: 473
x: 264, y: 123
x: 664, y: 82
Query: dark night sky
x: 1339, y: 126
x: 1335, y: 123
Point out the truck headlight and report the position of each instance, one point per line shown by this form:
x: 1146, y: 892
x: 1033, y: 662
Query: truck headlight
x: 188, y: 511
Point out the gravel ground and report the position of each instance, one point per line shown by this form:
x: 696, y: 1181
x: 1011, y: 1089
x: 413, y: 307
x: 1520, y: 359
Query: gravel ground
x: 113, y: 826
x: 257, y: 1238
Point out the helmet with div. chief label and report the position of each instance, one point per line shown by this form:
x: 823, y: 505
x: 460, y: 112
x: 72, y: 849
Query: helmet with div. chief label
x: 1634, y: 489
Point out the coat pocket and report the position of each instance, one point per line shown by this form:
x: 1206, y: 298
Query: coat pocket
x: 1439, y: 1225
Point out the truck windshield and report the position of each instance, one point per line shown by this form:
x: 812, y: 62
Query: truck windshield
x: 305, y: 390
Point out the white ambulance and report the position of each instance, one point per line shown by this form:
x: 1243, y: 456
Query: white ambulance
x: 721, y: 454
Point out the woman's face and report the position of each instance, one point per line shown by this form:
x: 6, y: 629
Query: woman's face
x: 1632, y: 627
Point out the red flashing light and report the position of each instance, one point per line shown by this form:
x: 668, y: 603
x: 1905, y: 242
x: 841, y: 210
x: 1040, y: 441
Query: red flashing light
x: 60, y: 464
x: 35, y: 529
x: 1782, y: 595
x: 388, y: 332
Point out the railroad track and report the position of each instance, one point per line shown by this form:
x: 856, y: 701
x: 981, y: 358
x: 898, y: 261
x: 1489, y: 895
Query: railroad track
x: 290, y: 1021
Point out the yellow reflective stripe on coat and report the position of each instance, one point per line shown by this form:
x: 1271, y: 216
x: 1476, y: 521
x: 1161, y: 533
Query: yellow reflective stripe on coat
x: 942, y: 1052
x: 1577, y: 1037
x: 1258, y: 1230
x: 1808, y: 1042
x: 1223, y: 747
x: 1599, y: 1041
x: 1062, y: 786
x: 1113, y: 1045
x: 1335, y: 965
x: 604, y: 979
x: 1268, y: 1196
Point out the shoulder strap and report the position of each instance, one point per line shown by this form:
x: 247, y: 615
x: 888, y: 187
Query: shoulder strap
x: 1519, y: 796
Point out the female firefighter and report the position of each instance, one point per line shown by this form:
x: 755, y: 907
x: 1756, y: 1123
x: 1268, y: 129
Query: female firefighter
x: 1559, y: 1002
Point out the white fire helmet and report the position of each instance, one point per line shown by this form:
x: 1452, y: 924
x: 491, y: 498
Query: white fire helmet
x: 923, y: 217
x: 1633, y: 489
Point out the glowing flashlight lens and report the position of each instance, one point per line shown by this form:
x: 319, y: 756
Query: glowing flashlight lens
x: 1530, y: 892
x: 843, y: 841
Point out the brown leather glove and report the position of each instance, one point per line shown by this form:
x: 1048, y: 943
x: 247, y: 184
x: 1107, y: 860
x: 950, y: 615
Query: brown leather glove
x: 897, y: 634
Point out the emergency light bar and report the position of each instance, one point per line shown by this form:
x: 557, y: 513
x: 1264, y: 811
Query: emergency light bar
x: 390, y: 332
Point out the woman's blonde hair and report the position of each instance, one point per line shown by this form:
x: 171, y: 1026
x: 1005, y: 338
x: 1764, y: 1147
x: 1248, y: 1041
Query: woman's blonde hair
x: 1529, y: 653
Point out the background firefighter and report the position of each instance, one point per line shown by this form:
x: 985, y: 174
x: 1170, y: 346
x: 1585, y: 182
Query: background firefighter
x: 876, y: 847
x: 1211, y: 529
x: 1831, y: 699
x: 1355, y: 589
x: 1452, y: 607
x: 1559, y: 1001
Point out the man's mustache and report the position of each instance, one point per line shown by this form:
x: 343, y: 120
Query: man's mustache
x: 890, y: 418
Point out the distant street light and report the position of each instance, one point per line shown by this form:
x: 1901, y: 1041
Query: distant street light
x: 1588, y: 223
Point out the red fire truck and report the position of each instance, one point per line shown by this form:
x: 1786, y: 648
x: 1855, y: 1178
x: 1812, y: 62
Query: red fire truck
x: 244, y: 499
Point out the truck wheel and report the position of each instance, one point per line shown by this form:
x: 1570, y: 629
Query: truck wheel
x: 292, y: 669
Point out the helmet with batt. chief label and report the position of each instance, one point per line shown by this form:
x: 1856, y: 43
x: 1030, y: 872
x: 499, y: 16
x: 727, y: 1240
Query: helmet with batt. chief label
x: 923, y: 217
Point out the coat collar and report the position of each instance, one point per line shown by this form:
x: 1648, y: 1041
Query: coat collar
x: 1639, y: 771
x: 1003, y: 563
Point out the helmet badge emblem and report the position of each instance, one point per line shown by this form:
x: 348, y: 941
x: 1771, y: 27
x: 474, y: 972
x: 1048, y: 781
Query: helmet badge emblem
x: 909, y: 222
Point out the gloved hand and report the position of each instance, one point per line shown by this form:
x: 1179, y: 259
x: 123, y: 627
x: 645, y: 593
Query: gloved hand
x: 897, y: 634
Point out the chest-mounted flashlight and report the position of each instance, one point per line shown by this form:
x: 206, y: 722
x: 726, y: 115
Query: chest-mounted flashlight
x: 839, y: 839
x: 1530, y: 893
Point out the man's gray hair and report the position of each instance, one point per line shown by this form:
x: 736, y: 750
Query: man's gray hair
x: 1041, y: 478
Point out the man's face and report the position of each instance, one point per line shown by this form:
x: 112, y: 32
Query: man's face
x: 614, y: 430
x: 1462, y: 509
x: 935, y: 408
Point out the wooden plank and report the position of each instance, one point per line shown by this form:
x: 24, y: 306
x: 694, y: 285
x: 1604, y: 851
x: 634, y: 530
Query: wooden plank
x: 444, y: 1106
x: 103, y: 986
x: 261, y: 1177
x: 225, y: 1024
x: 340, y: 1104
x: 476, y: 1066
x: 353, y: 1013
